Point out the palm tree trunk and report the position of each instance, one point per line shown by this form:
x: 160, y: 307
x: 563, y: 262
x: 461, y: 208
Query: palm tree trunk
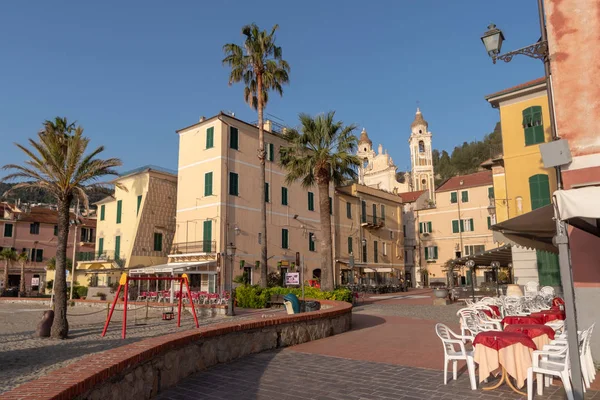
x: 22, y: 284
x: 326, y: 245
x: 60, y: 326
x: 5, y: 276
x: 263, y: 203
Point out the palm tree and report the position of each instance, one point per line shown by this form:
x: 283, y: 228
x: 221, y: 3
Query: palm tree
x: 57, y: 163
x: 321, y: 154
x: 8, y: 255
x: 22, y: 260
x: 259, y: 65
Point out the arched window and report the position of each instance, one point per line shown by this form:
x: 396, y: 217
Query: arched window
x: 539, y: 190
x: 533, y: 125
x: 421, y: 146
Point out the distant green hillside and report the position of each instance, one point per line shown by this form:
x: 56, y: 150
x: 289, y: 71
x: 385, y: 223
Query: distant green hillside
x: 37, y: 195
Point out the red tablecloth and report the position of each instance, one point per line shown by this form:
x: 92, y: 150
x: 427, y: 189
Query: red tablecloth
x: 549, y: 315
x: 531, y: 319
x: 496, y: 310
x: 557, y: 301
x: 531, y: 330
x: 498, y: 340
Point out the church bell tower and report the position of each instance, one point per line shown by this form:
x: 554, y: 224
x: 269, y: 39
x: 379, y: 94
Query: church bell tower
x: 420, y: 155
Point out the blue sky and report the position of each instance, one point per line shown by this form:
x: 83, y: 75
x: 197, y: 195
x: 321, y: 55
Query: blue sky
x: 132, y: 72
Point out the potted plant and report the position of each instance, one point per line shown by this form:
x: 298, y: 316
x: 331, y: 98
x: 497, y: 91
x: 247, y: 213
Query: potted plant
x: 439, y: 290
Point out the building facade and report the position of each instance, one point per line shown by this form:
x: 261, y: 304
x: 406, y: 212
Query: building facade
x: 135, y: 227
x: 521, y: 182
x: 34, y: 231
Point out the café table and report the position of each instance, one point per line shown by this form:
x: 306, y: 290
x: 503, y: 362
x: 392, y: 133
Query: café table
x: 495, y: 313
x: 540, y: 334
x: 517, y: 319
x: 549, y: 315
x: 508, y: 353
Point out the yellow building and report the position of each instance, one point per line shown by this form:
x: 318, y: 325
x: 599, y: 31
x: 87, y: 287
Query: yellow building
x: 368, y: 227
x: 135, y: 226
x: 456, y: 225
x: 521, y: 183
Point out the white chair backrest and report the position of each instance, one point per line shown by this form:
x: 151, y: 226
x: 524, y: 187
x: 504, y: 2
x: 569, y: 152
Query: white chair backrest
x: 444, y: 333
x: 531, y: 287
x: 547, y: 291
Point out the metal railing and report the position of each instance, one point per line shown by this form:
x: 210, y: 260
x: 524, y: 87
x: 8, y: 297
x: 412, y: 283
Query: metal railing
x: 105, y: 255
x: 372, y: 220
x: 203, y: 246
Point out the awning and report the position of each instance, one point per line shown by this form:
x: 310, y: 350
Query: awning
x: 579, y: 207
x: 501, y: 254
x: 175, y: 268
x: 380, y: 270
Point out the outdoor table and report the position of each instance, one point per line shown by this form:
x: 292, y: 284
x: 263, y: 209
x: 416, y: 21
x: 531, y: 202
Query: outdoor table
x: 515, y: 319
x: 507, y: 352
x: 540, y: 334
x: 491, y: 314
x: 549, y: 315
x: 496, y: 311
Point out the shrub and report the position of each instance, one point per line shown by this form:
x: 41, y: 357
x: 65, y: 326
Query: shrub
x: 256, y: 297
x: 80, y: 292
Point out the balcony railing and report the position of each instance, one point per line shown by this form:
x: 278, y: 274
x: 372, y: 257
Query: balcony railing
x: 203, y: 246
x: 372, y: 221
x: 105, y: 255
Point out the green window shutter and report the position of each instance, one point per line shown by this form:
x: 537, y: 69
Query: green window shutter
x: 364, y: 253
x: 207, y: 236
x: 311, y: 242
x: 455, y: 226
x: 158, y: 241
x: 375, y: 252
x: 267, y: 192
x: 208, y: 184
x: 39, y: 255
x: 100, y: 246
x: 284, y: 196
x: 426, y: 253
x: 429, y: 228
x: 119, y: 209
x: 284, y: 238
x: 472, y: 225
x: 271, y: 152
x: 462, y: 225
x: 311, y: 201
x: 548, y: 268
x: 102, y: 211
x: 117, y: 247
x: 435, y: 252
x: 55, y: 230
x: 420, y: 227
x: 330, y: 206
x: 491, y: 193
x: 210, y: 138
x: 453, y: 198
x: 233, y: 184
x: 363, y: 216
x: 349, y: 245
x: 529, y: 136
x: 489, y: 221
x: 539, y: 191
x: 538, y: 134
x: 469, y: 277
x: 349, y: 210
x: 8, y: 230
x: 139, y: 204
x: 233, y: 138
x: 383, y: 212
x: 465, y: 196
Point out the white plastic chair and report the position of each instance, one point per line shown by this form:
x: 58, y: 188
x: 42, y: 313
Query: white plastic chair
x: 558, y: 366
x: 547, y: 291
x: 531, y: 289
x: 449, y: 341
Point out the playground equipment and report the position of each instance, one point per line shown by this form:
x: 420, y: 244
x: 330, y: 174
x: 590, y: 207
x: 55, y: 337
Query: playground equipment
x: 124, y: 284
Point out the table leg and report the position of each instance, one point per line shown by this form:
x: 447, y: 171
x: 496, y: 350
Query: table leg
x: 505, y: 378
x: 514, y: 388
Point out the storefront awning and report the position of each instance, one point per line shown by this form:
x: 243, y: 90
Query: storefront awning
x: 579, y: 207
x: 175, y: 268
x: 501, y: 254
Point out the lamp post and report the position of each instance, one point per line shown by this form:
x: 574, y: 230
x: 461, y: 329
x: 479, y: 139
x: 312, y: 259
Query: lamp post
x: 230, y: 303
x: 471, y: 265
x: 495, y: 268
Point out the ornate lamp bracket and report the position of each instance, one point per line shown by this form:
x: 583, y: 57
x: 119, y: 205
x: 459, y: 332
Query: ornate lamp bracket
x: 538, y: 50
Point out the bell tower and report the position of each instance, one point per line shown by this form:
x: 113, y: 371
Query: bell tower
x: 366, y: 154
x: 421, y: 158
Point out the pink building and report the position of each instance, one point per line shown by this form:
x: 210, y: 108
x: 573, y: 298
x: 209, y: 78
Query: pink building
x: 34, y: 231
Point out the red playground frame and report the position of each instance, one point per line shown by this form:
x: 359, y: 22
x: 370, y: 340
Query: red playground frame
x: 124, y: 284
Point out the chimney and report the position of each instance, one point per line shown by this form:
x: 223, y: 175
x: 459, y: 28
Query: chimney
x: 202, y: 119
x: 267, y: 125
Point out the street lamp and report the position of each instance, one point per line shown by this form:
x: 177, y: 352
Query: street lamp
x: 495, y: 268
x: 492, y: 40
x: 231, y: 255
x: 471, y: 265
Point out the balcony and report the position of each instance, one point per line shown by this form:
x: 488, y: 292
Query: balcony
x: 203, y: 246
x: 372, y: 221
x: 101, y: 256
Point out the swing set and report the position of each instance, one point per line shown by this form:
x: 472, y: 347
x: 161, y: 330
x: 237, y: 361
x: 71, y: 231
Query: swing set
x: 124, y: 284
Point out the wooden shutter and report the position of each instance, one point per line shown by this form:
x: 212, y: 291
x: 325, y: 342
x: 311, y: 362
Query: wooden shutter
x: 375, y: 252
x: 383, y: 212
x: 267, y: 192
x: 233, y: 138
x: 233, y: 184
x: 158, y: 241
x: 426, y: 253
x: 271, y: 152
x: 453, y: 197
x: 435, y: 252
x: 429, y: 228
x: 117, y: 247
x: 119, y: 209
x: 349, y: 245
x: 489, y: 222
x: 363, y: 217
x: 465, y: 196
x: 210, y: 137
x: 139, y: 204
x: 472, y: 225
x: 102, y: 212
x: 349, y: 210
x: 420, y: 227
x: 207, y: 236
x: 284, y: 238
x: 455, y: 226
x: 462, y: 225
x: 311, y: 201
x: 548, y: 268
x: 490, y: 192
x: 208, y: 184
x: 284, y: 196
x: 539, y: 191
x: 100, y: 246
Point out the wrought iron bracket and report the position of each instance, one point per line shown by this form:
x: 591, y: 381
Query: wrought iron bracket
x: 538, y: 50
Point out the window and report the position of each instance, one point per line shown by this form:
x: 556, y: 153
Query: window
x: 403, y: 230
x: 37, y: 255
x: 453, y: 197
x: 233, y: 184
x: 284, y: 239
x: 421, y: 146
x: 425, y: 227
x: 474, y: 249
x: 210, y: 138
x: 491, y: 192
x: 208, y: 184
x: 349, y: 210
x: 267, y: 199
x: 330, y: 206
x: 100, y: 246
x: 233, y: 138
x: 117, y: 247
x: 311, y: 201
x: 8, y: 230
x: 158, y: 241
x: 431, y: 253
x: 375, y: 254
x: 311, y: 241
x: 139, y: 204
x: 533, y: 125
x: 384, y: 246
x: 539, y: 190
x: 364, y: 251
x: 207, y: 236
x: 465, y: 225
x: 349, y: 245
x: 34, y: 228
x: 119, y: 209
x: 87, y: 235
x: 489, y: 222
x: 363, y: 217
x: 55, y: 230
x: 383, y: 212
x: 464, y: 196
x: 284, y: 196
x: 270, y: 150
x: 102, y: 211
x: 374, y: 213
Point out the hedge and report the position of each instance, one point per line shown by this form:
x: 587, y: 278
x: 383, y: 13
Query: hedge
x: 253, y: 296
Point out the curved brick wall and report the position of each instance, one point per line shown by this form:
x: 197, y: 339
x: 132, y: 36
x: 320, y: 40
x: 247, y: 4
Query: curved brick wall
x: 141, y: 370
